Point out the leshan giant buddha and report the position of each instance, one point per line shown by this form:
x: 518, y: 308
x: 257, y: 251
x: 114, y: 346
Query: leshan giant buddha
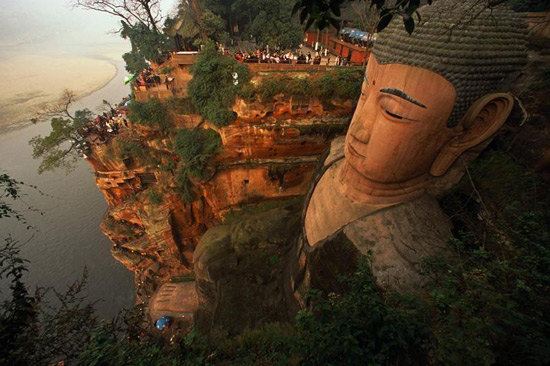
x: 428, y: 99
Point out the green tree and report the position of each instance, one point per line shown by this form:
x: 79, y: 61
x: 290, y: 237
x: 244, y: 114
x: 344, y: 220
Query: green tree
x: 147, y: 45
x: 18, y: 314
x: 275, y: 24
x: 323, y: 13
x: 62, y: 147
x: 141, y: 23
x: 10, y: 190
x: 152, y: 113
x: 196, y: 148
x: 216, y: 81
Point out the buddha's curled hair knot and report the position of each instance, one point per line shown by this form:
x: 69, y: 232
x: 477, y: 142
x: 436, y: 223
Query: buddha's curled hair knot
x: 472, y: 46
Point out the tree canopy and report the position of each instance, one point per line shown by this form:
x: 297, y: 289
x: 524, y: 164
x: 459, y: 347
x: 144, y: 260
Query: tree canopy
x: 62, y: 147
x: 275, y: 25
x: 215, y: 84
x: 147, y: 44
x: 322, y: 13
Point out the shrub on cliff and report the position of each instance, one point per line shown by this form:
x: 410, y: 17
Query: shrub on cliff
x: 129, y: 149
x: 214, y: 87
x: 152, y: 113
x: 196, y: 147
x: 340, y: 83
x: 155, y: 198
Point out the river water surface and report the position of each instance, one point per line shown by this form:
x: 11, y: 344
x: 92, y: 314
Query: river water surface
x: 47, y: 46
x: 67, y: 237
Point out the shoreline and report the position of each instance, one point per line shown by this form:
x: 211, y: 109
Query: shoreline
x: 7, y: 125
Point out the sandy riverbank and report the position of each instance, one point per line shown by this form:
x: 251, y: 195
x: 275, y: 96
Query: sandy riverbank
x: 30, y: 81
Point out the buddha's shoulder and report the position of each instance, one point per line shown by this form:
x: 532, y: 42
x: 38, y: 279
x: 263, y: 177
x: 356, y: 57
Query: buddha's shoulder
x: 420, y: 220
x: 396, y: 238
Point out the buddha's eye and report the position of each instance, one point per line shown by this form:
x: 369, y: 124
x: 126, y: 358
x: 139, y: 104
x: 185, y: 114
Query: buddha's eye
x: 394, y: 115
x: 393, y: 110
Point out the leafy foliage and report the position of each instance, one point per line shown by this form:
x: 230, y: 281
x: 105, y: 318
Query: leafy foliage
x: 275, y: 24
x: 323, y: 13
x: 154, y: 197
x: 34, y: 332
x: 184, y: 185
x: 130, y: 149
x: 364, y: 327
x: 10, y: 190
x: 194, y: 20
x: 196, y: 147
x: 60, y: 149
x: 147, y: 44
x: 152, y: 113
x: 339, y: 83
x: 18, y: 314
x: 135, y: 62
x: 492, y: 293
x: 212, y: 88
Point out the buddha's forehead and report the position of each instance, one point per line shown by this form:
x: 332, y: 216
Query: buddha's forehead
x: 419, y: 83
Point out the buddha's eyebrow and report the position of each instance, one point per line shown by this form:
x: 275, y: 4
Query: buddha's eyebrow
x: 402, y: 95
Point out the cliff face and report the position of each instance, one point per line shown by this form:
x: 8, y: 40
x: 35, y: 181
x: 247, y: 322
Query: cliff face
x: 268, y: 154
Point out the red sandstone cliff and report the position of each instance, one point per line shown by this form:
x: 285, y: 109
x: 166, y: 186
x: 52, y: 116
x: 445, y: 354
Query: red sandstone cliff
x: 269, y: 153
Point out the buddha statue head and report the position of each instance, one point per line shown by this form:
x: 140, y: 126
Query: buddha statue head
x: 430, y: 96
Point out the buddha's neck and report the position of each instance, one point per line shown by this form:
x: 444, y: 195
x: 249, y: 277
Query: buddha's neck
x: 363, y: 190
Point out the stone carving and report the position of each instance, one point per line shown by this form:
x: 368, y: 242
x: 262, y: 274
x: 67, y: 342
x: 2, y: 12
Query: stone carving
x: 427, y: 99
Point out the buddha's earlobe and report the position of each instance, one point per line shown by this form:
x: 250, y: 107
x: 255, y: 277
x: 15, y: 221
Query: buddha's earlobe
x: 483, y: 120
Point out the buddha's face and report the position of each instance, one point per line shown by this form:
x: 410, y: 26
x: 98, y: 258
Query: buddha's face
x: 399, y: 125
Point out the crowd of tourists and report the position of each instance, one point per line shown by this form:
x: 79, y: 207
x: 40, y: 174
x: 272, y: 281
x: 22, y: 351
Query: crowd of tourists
x: 290, y: 57
x: 148, y: 78
x: 103, y: 126
x: 265, y: 56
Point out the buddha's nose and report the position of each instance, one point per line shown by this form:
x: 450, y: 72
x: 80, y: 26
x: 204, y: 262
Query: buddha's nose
x: 361, y: 128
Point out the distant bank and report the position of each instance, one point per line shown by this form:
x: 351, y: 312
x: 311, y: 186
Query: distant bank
x: 30, y: 81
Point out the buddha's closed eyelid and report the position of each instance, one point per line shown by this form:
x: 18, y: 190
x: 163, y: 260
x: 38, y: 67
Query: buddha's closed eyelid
x: 393, y: 111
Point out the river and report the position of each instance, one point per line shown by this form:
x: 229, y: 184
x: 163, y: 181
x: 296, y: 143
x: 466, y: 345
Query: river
x: 66, y: 238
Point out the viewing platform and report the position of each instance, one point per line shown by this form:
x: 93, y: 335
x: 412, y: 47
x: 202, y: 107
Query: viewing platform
x: 144, y: 93
x: 179, y: 65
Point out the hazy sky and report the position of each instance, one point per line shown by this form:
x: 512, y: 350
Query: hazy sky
x: 37, y: 21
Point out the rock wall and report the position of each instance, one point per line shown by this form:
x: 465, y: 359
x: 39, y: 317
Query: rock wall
x: 269, y: 154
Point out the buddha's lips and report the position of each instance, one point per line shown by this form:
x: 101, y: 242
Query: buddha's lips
x: 353, y: 151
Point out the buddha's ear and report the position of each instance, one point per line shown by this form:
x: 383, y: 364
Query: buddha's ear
x: 482, y: 121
